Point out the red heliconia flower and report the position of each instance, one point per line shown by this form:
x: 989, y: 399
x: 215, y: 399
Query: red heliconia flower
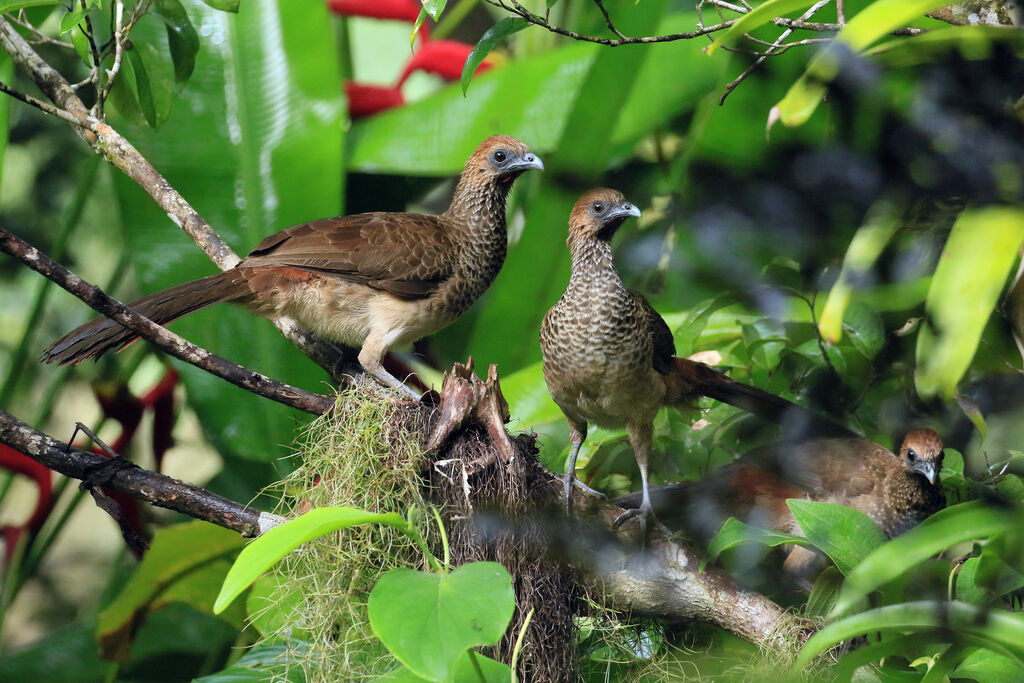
x: 160, y: 399
x: 364, y: 100
x: 19, y: 463
x: 444, y: 58
x: 401, y: 10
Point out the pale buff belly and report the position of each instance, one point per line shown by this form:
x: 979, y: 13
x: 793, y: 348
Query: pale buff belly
x: 348, y: 313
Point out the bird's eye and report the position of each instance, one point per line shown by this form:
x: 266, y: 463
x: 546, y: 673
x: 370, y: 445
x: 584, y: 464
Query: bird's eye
x: 598, y: 208
x: 911, y: 455
x: 500, y: 156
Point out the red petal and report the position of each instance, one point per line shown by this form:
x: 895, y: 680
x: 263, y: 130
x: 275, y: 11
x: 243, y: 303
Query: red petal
x: 364, y: 100
x: 161, y: 399
x: 403, y: 10
x: 445, y: 58
x: 20, y: 463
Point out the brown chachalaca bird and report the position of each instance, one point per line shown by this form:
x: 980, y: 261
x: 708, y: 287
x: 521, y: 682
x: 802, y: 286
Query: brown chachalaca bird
x: 372, y: 281
x: 896, y: 491
x: 609, y: 358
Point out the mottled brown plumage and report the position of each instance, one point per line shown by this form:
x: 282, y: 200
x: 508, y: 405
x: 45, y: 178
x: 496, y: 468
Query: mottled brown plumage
x: 606, y: 351
x: 896, y: 491
x: 372, y: 281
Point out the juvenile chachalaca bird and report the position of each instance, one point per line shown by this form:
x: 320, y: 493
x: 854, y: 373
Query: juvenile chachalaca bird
x: 609, y: 357
x: 896, y: 491
x: 371, y: 281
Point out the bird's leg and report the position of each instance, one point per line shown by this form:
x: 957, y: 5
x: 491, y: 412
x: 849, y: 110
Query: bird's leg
x: 577, y: 434
x: 640, y: 437
x: 371, y: 357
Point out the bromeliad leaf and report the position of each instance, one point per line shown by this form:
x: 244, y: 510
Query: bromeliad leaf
x: 269, y: 548
x: 495, y: 34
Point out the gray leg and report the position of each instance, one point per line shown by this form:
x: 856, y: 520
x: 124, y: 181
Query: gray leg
x: 371, y: 357
x: 577, y: 434
x: 640, y: 437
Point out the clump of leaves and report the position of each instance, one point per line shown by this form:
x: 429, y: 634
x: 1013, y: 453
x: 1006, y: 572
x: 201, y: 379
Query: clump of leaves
x: 364, y: 454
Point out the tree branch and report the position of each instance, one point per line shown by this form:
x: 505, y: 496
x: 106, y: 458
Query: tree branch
x: 150, y: 487
x: 165, y: 339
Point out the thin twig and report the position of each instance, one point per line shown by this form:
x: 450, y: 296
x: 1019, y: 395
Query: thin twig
x: 40, y: 37
x: 44, y: 107
x: 160, y: 336
x: 608, y: 19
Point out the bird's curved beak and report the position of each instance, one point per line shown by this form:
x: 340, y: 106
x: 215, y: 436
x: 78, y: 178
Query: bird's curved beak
x: 527, y: 162
x: 622, y: 211
x: 928, y: 470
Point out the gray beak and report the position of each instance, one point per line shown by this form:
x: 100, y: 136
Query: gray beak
x: 928, y: 470
x: 527, y: 162
x: 623, y: 211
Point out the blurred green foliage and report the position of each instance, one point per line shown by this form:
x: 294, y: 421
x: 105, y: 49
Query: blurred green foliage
x: 898, y: 200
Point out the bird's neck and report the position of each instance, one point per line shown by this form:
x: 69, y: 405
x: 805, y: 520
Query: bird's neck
x: 476, y: 219
x: 592, y: 264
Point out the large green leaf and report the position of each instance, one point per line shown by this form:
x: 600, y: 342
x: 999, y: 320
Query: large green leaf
x: 975, y: 265
x: 1003, y: 629
x: 429, y: 620
x: 264, y: 552
x: 267, y: 662
x: 177, y: 552
x: 254, y: 143
x: 946, y: 528
x: 734, y: 533
x: 846, y: 535
x: 493, y: 672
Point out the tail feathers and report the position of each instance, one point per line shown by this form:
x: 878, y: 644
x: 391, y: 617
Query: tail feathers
x: 98, y: 336
x: 701, y: 380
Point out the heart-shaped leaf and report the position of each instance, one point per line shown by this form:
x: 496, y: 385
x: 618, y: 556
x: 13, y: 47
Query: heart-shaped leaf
x: 429, y: 620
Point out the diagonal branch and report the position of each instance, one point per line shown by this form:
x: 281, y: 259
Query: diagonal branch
x: 150, y: 487
x: 165, y: 339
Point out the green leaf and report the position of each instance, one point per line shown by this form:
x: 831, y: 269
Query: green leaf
x: 81, y: 43
x: 182, y: 38
x: 265, y: 551
x: 975, y: 265
x: 970, y: 42
x: 153, y: 82
x: 759, y: 16
x: 823, y: 594
x: 946, y: 528
x: 15, y: 5
x: 494, y: 672
x: 224, y: 5
x: 272, y: 604
x: 233, y: 149
x: 982, y: 580
x: 985, y: 665
x: 529, y: 402
x: 267, y: 662
x: 876, y: 20
x: 865, y: 248
x: 71, y: 20
x: 865, y: 327
x: 1002, y: 629
x: 429, y: 620
x: 734, y: 533
x: 434, y: 8
x: 494, y: 35
x: 176, y: 552
x: 846, y: 535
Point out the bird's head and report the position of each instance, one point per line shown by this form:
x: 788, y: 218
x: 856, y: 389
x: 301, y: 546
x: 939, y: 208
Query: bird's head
x: 921, y: 452
x: 598, y: 214
x: 499, y: 160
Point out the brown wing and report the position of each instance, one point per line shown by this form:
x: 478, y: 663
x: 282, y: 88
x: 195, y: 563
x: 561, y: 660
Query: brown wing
x: 664, y: 345
x: 825, y: 467
x: 406, y: 254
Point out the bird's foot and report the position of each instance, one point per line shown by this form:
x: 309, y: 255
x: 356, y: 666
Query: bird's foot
x: 389, y: 380
x: 644, y: 512
x: 103, y: 473
x: 567, y: 482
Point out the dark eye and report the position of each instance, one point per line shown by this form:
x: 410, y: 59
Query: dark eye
x: 911, y: 455
x: 500, y: 156
x: 598, y: 208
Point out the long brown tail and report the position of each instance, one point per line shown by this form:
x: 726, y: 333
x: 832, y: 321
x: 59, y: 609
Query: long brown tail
x: 98, y: 336
x: 689, y: 378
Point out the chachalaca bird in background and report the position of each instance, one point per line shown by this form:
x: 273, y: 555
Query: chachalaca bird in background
x: 372, y: 281
x: 896, y: 491
x: 608, y: 357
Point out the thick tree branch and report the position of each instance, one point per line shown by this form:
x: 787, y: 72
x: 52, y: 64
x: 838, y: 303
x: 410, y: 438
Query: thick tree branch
x: 165, y: 339
x: 150, y: 487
